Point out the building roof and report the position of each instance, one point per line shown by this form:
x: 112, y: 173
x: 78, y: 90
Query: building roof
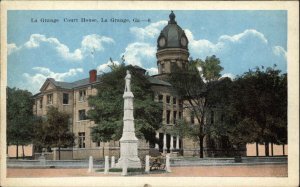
x: 70, y: 85
x: 172, y: 34
x: 157, y: 81
x: 86, y: 82
x: 65, y: 85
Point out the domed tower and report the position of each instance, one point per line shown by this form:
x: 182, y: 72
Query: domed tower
x: 172, y: 47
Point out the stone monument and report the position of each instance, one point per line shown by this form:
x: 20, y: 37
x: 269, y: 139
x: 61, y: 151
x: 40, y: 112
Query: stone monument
x: 128, y: 141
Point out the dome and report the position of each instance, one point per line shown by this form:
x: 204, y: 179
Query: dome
x: 172, y: 35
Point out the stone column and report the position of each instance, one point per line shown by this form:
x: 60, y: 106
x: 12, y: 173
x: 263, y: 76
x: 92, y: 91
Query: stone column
x: 112, y: 162
x: 165, y: 143
x: 157, y: 136
x: 171, y: 144
x: 106, y: 166
x: 168, y: 167
x: 90, y: 165
x: 147, y: 164
x: 177, y: 142
x: 124, y: 166
x: 42, y: 160
x: 54, y: 153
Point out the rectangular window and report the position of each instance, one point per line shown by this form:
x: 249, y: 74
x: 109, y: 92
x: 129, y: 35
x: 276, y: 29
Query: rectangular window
x: 180, y: 103
x: 161, y: 119
x: 82, y: 95
x: 41, y: 103
x: 81, y: 139
x: 50, y: 99
x: 174, y: 100
x: 212, y: 117
x: 65, y: 98
x: 174, y: 117
x: 97, y: 144
x: 81, y: 114
x: 180, y: 115
x: 192, y: 119
x: 168, y: 116
x: 168, y: 99
x: 160, y: 98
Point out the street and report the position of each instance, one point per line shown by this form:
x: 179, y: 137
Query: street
x: 276, y: 170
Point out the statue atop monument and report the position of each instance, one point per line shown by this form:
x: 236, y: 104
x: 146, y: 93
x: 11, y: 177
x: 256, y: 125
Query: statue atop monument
x: 127, y: 81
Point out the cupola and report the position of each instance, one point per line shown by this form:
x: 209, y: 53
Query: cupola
x: 172, y: 35
x: 172, y: 48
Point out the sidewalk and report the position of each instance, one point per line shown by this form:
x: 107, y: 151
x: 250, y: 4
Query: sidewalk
x: 266, y: 170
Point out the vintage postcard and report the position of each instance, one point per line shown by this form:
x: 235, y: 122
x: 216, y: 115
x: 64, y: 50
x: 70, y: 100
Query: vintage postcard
x: 140, y: 93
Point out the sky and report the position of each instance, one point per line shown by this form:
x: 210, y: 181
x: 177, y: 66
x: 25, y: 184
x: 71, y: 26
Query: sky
x: 66, y: 49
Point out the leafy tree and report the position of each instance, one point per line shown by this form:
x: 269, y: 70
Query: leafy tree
x: 183, y: 128
x: 195, y: 89
x: 218, y: 99
x: 19, y: 118
x: 107, y: 106
x: 53, y: 131
x: 211, y: 68
x: 40, y: 133
x: 259, y: 102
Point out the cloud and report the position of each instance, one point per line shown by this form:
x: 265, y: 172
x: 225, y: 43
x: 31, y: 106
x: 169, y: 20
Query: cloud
x: 89, y: 44
x: 229, y: 75
x: 94, y: 42
x: 142, y: 53
x: 201, y: 46
x: 152, y: 71
x: 239, y: 52
x: 103, y: 68
x: 249, y: 33
x: 12, y: 48
x: 279, y: 51
x: 150, y: 31
x: 35, y: 40
x: 205, y: 47
x: 36, y: 81
x: 137, y: 53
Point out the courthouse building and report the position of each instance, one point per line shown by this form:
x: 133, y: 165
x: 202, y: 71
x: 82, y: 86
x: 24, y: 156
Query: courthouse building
x: 71, y: 97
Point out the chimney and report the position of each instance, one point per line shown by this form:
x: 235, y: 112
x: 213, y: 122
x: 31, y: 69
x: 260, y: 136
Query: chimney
x: 93, y: 75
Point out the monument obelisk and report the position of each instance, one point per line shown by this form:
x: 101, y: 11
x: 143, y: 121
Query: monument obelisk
x: 128, y: 141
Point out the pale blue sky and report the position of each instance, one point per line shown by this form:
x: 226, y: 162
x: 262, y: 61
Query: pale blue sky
x: 241, y: 39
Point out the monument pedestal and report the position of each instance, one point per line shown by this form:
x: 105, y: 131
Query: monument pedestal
x: 129, y: 152
x: 128, y: 142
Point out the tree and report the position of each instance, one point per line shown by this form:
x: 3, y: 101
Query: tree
x: 19, y: 118
x: 107, y: 106
x: 260, y: 102
x: 211, y: 68
x: 54, y: 130
x: 218, y: 97
x: 194, y: 87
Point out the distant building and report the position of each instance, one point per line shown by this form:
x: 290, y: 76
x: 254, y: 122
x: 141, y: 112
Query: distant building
x: 72, y: 99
